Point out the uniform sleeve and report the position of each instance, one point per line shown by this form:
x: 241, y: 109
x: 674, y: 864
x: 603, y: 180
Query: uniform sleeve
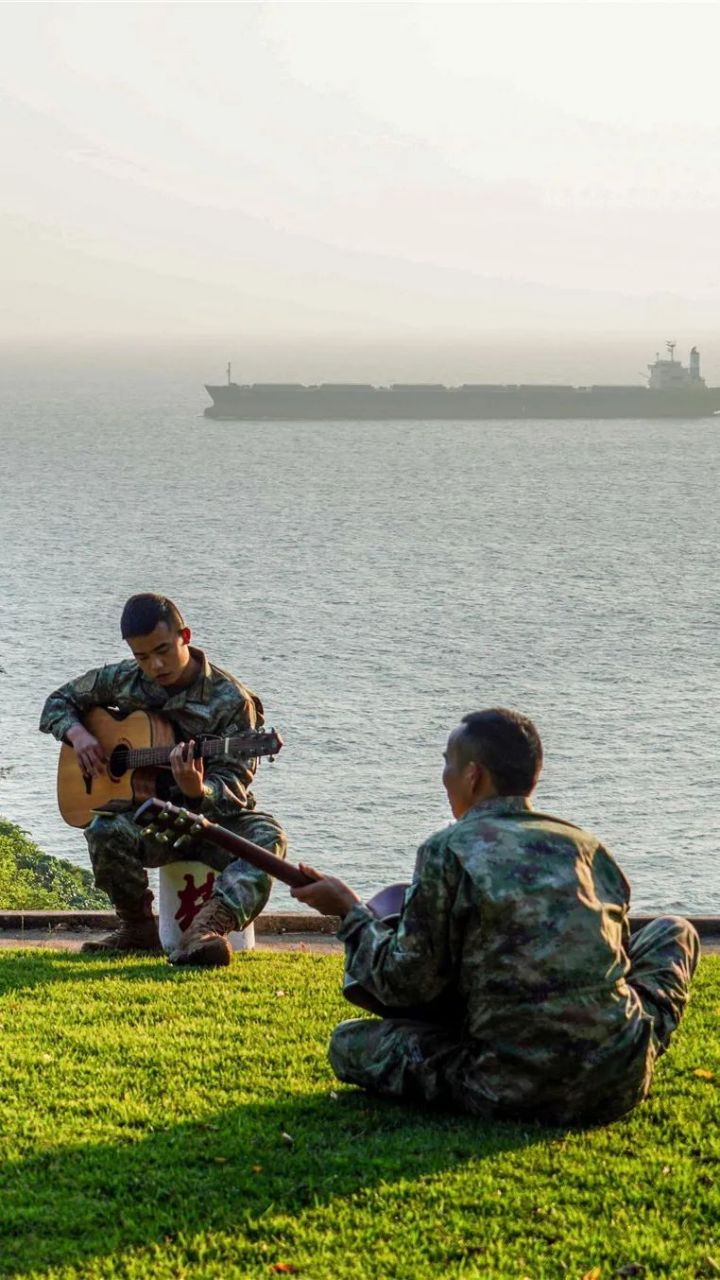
x: 411, y: 962
x: 228, y: 780
x: 65, y: 707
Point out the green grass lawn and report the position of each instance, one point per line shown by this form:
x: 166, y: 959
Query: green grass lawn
x: 156, y: 1122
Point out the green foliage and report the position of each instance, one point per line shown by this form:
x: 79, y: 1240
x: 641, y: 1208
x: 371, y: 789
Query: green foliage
x: 31, y: 880
x: 183, y: 1125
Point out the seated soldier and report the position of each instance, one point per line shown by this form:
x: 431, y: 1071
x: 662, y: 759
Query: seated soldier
x: 168, y: 677
x: 516, y: 925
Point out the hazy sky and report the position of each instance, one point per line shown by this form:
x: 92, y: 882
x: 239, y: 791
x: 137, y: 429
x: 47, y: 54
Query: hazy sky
x: 428, y: 172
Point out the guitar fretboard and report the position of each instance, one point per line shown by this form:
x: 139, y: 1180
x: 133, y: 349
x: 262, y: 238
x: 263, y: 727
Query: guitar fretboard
x: 147, y: 757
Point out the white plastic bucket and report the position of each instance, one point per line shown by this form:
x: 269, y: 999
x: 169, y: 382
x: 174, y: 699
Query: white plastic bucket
x: 183, y: 888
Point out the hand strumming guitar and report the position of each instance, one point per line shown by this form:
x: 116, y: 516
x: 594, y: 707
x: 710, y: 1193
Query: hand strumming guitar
x: 90, y: 755
x: 328, y: 895
x: 188, y: 772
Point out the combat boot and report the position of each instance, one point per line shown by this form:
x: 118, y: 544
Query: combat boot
x: 205, y: 941
x: 137, y: 931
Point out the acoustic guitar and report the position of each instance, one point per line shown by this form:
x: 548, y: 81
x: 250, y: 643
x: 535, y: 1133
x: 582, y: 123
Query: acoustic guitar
x: 137, y: 746
x: 183, y: 829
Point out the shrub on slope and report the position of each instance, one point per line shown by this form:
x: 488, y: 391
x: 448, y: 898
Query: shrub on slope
x: 31, y: 880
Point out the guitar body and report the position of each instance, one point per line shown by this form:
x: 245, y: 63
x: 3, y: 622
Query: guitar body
x: 78, y: 796
x: 387, y: 906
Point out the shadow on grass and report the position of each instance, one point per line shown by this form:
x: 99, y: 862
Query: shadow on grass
x: 27, y: 968
x: 89, y: 1201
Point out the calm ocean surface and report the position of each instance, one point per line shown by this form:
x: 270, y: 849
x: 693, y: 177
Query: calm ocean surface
x: 373, y: 582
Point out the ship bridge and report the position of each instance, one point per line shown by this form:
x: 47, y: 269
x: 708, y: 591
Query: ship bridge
x: 671, y: 375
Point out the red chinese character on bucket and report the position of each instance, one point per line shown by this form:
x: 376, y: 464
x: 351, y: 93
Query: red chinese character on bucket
x: 191, y: 898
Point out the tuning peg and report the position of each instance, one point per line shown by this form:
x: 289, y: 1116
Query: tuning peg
x: 183, y: 842
x: 196, y: 828
x: 163, y: 816
x: 165, y: 837
x: 183, y: 818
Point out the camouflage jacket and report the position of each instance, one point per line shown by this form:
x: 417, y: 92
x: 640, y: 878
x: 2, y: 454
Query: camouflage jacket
x: 523, y: 918
x: 215, y: 704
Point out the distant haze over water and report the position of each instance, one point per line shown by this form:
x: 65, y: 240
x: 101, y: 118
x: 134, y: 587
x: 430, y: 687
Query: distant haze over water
x: 345, y: 355
x: 372, y: 583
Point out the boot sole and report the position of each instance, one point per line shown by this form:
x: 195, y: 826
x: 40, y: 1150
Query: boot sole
x: 210, y: 956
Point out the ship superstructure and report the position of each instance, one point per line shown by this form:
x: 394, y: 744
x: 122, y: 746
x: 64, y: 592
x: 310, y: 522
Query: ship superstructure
x: 671, y: 375
x: 673, y: 391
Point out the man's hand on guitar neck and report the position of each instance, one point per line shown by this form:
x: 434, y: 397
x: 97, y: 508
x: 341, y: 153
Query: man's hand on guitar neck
x: 188, y: 772
x: 328, y: 895
x: 89, y: 753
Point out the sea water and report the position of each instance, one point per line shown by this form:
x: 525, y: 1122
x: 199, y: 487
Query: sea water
x: 373, y: 582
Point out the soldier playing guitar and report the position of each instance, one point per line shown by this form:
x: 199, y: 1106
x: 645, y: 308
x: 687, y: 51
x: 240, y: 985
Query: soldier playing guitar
x: 193, y: 700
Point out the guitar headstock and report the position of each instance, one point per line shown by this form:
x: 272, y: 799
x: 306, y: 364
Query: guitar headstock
x: 170, y: 824
x: 256, y: 742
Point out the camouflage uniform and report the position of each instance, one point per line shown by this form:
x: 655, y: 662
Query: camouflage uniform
x: 215, y: 704
x: 517, y: 923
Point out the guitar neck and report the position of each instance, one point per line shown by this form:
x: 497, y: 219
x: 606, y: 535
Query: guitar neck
x: 159, y: 757
x: 166, y: 821
x: 255, y: 854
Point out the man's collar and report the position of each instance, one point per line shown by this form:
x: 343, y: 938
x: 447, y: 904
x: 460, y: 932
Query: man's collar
x: 498, y: 806
x: 203, y: 680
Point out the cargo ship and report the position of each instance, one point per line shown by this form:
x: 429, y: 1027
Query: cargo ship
x: 672, y: 391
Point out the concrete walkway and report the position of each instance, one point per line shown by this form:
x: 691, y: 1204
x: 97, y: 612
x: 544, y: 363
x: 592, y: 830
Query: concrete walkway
x: 68, y: 930
x: 64, y: 939
x: 291, y: 931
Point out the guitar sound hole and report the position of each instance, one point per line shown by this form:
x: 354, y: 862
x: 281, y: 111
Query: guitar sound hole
x: 118, y: 761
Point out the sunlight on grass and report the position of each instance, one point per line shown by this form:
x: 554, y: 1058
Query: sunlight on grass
x: 168, y: 1123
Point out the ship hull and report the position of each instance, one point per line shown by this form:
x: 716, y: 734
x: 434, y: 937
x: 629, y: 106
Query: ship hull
x: 313, y: 404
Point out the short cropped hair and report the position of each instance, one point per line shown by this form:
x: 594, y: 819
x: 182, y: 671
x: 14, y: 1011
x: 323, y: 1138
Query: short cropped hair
x: 507, y: 744
x: 143, y: 613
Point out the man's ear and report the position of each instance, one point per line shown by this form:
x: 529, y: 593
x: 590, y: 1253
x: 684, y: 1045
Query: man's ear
x: 186, y: 635
x: 481, y: 779
x: 477, y: 773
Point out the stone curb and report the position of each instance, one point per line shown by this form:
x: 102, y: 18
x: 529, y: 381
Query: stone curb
x: 267, y: 922
x: 707, y: 926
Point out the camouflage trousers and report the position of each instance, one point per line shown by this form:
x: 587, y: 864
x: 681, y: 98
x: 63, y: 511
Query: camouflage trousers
x: 427, y: 1062
x: 120, y: 852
